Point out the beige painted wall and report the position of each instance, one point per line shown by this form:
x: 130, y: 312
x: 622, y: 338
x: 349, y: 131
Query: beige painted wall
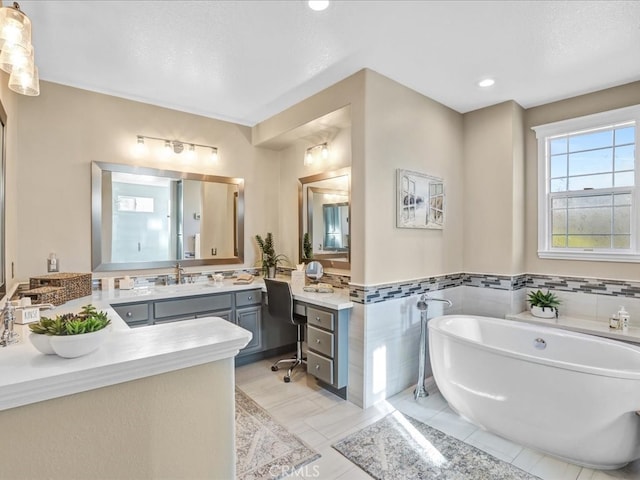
x: 604, y: 100
x: 405, y: 129
x: 64, y: 129
x: 175, y: 425
x: 493, y: 190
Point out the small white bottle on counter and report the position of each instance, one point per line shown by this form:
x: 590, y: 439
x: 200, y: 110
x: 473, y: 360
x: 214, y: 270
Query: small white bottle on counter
x: 623, y: 315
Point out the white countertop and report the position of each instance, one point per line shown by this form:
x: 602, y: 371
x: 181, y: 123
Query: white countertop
x: 337, y: 300
x: 27, y: 376
x: 592, y: 327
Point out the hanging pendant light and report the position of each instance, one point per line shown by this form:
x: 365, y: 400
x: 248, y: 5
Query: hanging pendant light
x: 17, y: 55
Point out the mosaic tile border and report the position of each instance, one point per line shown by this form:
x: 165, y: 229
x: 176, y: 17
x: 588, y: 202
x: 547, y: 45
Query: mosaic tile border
x: 391, y: 291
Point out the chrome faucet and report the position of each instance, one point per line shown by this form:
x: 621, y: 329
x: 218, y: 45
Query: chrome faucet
x: 8, y: 336
x: 179, y: 273
x: 423, y: 306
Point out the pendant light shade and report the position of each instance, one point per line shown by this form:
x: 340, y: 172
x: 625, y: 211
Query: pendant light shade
x: 15, y: 27
x: 14, y: 56
x: 25, y: 81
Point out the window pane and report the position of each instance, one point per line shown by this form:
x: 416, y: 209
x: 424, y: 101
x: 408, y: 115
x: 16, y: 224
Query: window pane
x: 624, y: 179
x: 625, y: 158
x: 589, y: 141
x: 558, y: 241
x: 589, y: 220
x: 622, y: 220
x: 622, y: 199
x: 559, y: 222
x: 593, y: 161
x: 589, y: 241
x: 591, y: 201
x: 625, y: 135
x: 558, y: 166
x: 559, y: 185
x: 591, y: 181
x: 558, y: 145
x: 559, y: 203
x: 622, y: 241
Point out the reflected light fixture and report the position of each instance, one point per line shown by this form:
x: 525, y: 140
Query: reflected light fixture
x: 309, y: 153
x: 16, y: 51
x: 173, y: 147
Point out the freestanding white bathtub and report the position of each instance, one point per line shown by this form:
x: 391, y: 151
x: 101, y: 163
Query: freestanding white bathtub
x: 571, y: 395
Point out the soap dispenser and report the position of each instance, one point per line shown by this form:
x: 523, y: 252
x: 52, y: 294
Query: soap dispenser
x: 623, y: 315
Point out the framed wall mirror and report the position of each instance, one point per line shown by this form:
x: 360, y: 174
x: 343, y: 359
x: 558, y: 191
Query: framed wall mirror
x: 324, y: 218
x: 149, y: 218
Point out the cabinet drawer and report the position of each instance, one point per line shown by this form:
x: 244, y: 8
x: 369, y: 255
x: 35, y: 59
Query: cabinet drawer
x: 133, y: 313
x: 250, y: 297
x: 320, y: 318
x: 320, y: 341
x: 191, y: 305
x: 320, y: 367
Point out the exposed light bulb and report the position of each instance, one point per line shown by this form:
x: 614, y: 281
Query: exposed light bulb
x: 325, y: 152
x: 318, y: 5
x: 167, y: 150
x: 191, y: 153
x: 214, y: 155
x: 308, y: 158
x: 139, y: 149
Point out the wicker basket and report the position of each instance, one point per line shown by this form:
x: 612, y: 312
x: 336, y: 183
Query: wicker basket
x: 74, y: 285
x: 53, y: 295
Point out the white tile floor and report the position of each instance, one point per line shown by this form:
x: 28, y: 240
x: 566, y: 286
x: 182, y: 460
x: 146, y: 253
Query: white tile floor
x: 320, y: 419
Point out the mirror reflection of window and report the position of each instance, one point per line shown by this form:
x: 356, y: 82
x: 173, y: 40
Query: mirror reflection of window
x: 148, y: 218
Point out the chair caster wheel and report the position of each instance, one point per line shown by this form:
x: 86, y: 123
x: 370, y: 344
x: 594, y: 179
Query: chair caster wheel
x: 287, y: 379
x: 274, y: 368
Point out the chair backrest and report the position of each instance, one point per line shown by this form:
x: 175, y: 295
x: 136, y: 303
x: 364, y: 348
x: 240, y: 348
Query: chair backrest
x: 280, y: 299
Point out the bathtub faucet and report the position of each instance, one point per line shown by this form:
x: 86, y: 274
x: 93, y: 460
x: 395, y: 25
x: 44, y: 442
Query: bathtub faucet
x: 423, y: 306
x: 423, y: 303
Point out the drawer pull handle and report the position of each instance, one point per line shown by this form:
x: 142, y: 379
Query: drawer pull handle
x: 129, y: 314
x: 317, y: 319
x: 249, y: 297
x: 317, y: 340
x: 317, y: 367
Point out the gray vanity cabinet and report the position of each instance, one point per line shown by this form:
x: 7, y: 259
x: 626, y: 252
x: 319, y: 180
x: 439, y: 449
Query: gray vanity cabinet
x: 242, y: 308
x: 327, y: 338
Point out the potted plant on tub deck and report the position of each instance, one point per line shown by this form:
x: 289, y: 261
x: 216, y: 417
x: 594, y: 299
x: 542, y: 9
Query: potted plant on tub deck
x: 544, y: 305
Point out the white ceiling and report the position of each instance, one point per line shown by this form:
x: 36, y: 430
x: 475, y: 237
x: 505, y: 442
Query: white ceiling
x: 244, y: 61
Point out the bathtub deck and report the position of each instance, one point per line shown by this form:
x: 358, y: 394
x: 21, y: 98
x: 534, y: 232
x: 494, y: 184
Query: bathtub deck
x: 591, y: 327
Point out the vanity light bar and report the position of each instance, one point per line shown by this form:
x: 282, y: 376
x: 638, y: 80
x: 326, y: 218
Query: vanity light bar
x: 324, y: 152
x: 175, y: 146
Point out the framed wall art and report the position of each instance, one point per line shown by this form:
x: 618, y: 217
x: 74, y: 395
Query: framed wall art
x: 419, y: 200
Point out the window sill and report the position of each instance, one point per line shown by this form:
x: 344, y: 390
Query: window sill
x: 590, y: 256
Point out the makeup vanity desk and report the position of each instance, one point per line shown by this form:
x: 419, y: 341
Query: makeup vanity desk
x: 245, y: 305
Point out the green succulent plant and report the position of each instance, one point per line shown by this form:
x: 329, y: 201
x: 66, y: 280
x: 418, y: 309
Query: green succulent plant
x: 87, y: 321
x: 543, y: 300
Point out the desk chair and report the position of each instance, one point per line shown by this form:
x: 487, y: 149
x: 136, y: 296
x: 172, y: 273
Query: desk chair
x: 280, y: 301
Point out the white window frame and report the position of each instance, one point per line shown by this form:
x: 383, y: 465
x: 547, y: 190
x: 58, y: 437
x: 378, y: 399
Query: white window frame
x: 575, y: 125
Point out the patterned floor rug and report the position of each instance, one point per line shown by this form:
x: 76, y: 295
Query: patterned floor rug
x: 264, y: 448
x: 400, y: 447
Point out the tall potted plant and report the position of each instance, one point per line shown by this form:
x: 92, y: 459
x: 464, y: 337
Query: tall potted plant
x: 307, y: 248
x: 269, y: 257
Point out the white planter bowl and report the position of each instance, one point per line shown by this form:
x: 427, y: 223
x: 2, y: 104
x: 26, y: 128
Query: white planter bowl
x: 72, y: 346
x: 42, y: 343
x: 546, y: 312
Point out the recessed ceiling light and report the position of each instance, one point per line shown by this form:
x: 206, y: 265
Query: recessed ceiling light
x: 487, y: 82
x: 318, y: 5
